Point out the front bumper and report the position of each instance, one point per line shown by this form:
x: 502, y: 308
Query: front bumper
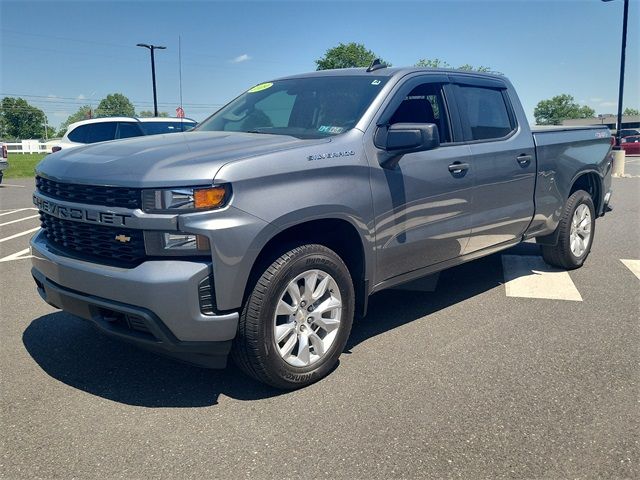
x: 155, y: 304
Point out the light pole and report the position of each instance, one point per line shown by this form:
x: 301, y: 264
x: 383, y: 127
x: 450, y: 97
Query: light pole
x: 153, y: 73
x: 622, y: 61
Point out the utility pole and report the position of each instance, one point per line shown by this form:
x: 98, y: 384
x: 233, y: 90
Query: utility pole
x: 153, y: 72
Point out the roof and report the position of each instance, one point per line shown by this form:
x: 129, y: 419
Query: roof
x: 165, y: 119
x: 102, y: 119
x: 387, y: 72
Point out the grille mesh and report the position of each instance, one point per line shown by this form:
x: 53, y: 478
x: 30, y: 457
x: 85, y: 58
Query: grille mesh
x: 91, y: 194
x: 94, y: 241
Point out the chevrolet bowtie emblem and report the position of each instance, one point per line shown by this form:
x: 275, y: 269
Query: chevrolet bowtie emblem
x: 123, y: 238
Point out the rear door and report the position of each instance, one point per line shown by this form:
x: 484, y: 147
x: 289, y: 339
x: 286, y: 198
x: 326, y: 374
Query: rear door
x: 503, y: 159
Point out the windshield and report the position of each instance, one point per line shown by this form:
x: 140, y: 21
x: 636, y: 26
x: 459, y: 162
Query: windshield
x: 156, y: 128
x: 313, y: 107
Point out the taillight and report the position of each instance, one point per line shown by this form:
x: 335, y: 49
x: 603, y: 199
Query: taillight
x: 55, y: 149
x: 4, y: 151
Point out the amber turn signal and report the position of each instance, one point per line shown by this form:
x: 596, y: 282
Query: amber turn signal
x: 209, y: 197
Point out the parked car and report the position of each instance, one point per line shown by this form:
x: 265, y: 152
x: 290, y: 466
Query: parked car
x: 266, y: 229
x: 631, y: 144
x: 159, y: 125
x: 113, y: 128
x: 4, y: 160
x: 626, y: 132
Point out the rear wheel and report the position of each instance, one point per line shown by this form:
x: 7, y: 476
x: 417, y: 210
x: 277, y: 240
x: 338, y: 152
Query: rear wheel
x: 575, y: 233
x: 297, y: 319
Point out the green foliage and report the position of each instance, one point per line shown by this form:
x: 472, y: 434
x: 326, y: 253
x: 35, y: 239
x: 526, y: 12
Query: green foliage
x: 631, y: 111
x: 561, y: 107
x: 20, y: 120
x: 83, y: 113
x: 437, y: 63
x: 115, y: 104
x: 149, y: 113
x: 347, y: 55
x: 23, y: 165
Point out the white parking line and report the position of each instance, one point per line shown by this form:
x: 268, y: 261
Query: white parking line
x: 530, y: 277
x: 21, y: 255
x: 633, y: 265
x: 9, y: 185
x: 19, y: 234
x: 18, y: 220
x: 16, y: 210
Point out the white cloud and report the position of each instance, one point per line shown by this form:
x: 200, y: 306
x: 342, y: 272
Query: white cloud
x: 608, y: 104
x: 241, y: 58
x: 81, y: 97
x: 52, y: 96
x: 596, y: 99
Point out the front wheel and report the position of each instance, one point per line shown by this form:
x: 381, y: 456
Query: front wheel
x: 575, y: 233
x: 297, y: 320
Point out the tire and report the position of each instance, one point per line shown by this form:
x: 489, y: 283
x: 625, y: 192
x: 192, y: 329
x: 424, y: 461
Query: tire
x: 272, y: 309
x: 1, y: 175
x: 562, y: 254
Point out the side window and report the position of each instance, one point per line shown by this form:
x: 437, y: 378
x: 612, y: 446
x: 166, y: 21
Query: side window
x: 128, y: 130
x: 78, y: 134
x: 486, y: 112
x: 425, y: 104
x: 101, y: 132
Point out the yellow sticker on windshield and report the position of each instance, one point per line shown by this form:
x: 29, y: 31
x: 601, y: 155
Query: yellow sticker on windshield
x: 260, y: 87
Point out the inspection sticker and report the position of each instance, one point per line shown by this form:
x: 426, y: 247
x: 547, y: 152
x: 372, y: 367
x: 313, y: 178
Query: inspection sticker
x: 260, y: 87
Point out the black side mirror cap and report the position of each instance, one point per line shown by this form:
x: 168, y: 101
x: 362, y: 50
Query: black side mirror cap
x: 402, y: 138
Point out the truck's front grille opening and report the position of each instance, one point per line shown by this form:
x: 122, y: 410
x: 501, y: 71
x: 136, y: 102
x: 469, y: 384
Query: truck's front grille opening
x: 95, y: 242
x: 91, y: 194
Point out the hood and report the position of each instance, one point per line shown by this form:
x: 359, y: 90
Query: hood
x: 176, y: 159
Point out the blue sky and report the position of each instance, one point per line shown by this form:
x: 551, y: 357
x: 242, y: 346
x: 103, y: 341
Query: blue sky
x: 60, y: 55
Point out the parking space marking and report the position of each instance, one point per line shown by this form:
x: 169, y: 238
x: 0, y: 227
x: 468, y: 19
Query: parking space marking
x: 16, y: 210
x: 18, y: 220
x: 530, y: 277
x: 27, y: 232
x: 633, y: 265
x: 21, y: 255
x: 12, y: 186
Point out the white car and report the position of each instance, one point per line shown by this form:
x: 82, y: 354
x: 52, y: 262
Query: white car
x: 114, y: 128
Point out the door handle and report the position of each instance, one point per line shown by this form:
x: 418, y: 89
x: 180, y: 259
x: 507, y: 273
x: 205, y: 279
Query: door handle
x: 458, y: 169
x: 524, y: 160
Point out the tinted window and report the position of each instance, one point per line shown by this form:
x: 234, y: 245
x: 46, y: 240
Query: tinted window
x: 156, y: 128
x: 78, y: 134
x: 425, y: 104
x: 485, y: 111
x: 128, y: 130
x: 100, y: 132
x: 310, y: 107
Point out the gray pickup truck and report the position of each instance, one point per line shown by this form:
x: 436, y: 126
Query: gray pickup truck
x: 262, y: 233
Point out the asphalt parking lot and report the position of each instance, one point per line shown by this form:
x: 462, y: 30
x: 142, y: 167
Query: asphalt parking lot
x: 475, y: 379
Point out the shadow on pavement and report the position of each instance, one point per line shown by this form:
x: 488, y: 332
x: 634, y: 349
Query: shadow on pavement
x: 73, y: 352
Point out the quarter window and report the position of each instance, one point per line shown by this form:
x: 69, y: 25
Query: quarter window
x: 486, y: 112
x: 100, y: 132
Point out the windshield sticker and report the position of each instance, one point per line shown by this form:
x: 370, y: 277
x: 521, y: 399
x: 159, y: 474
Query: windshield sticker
x: 330, y: 129
x: 260, y: 87
x: 376, y: 82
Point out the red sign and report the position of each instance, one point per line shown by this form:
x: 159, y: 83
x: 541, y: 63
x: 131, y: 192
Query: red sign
x: 180, y: 112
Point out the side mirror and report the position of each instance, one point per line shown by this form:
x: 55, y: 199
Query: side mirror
x: 401, y: 138
x: 412, y: 137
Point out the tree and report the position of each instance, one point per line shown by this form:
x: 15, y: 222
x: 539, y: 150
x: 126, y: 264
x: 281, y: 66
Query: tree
x: 437, y: 63
x: 561, y: 107
x: 20, y: 120
x: 83, y: 113
x: 631, y: 111
x: 347, y: 55
x: 149, y: 113
x: 115, y: 104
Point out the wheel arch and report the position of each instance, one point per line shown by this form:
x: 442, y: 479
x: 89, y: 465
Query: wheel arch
x: 591, y: 182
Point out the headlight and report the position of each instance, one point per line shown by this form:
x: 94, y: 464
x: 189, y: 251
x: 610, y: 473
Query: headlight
x: 183, y: 200
x: 175, y: 243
